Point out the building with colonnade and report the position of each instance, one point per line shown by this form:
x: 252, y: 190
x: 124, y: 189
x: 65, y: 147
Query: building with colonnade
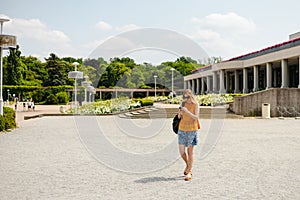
x: 276, y: 66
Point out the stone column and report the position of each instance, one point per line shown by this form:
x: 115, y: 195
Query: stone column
x: 255, y: 78
x: 215, y: 82
x: 193, y: 86
x: 236, y: 82
x: 269, y: 75
x: 197, y: 86
x: 222, y: 88
x: 208, y: 84
x: 284, y: 74
x: 202, y: 85
x: 245, y: 80
x: 299, y: 71
x: 227, y: 81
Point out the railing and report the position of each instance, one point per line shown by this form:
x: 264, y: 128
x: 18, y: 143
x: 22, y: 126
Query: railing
x: 287, y: 111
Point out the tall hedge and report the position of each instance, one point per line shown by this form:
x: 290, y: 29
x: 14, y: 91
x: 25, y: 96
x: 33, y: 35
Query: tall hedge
x: 37, y: 93
x: 8, y: 120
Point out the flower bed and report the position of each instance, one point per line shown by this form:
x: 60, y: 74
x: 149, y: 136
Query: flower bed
x: 108, y: 106
x: 206, y: 100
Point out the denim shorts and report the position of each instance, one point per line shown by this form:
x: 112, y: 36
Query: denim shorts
x: 189, y: 138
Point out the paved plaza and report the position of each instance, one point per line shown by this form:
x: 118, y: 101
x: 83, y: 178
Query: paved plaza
x: 59, y: 158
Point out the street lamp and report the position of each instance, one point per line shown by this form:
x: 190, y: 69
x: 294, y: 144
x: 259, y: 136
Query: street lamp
x: 76, y: 75
x: 155, y: 85
x: 6, y: 41
x: 172, y: 69
x: 85, y: 84
x: 91, y: 91
x: 7, y: 95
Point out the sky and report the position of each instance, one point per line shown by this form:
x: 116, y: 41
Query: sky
x: 222, y: 28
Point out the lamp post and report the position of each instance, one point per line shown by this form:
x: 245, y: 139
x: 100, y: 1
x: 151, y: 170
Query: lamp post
x: 155, y: 85
x: 8, y: 95
x: 76, y: 75
x: 75, y: 87
x: 5, y: 41
x: 91, y: 91
x: 85, y: 84
x: 172, y: 69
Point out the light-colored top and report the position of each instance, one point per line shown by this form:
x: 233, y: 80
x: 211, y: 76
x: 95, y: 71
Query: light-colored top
x: 187, y: 123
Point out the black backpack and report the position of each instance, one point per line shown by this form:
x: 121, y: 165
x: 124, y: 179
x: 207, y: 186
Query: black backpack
x: 175, y: 123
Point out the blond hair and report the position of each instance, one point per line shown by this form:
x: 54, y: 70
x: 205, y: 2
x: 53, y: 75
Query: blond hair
x: 192, y: 96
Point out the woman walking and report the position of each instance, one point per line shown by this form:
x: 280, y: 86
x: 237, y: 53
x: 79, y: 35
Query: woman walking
x: 187, y: 133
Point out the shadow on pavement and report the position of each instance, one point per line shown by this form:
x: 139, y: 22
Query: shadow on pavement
x: 158, y: 179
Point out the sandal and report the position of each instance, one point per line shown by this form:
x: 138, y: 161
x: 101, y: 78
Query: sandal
x: 188, y: 177
x: 186, y: 171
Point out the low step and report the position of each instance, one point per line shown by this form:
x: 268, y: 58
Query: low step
x: 205, y: 113
x: 128, y: 114
x: 141, y: 111
x: 122, y: 116
x: 135, y: 113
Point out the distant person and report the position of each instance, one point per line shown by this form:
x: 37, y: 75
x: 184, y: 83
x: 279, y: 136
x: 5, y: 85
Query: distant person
x: 29, y: 105
x: 32, y: 105
x: 174, y: 94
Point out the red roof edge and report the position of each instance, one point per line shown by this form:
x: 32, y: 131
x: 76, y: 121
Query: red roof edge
x: 264, y: 49
x: 206, y: 66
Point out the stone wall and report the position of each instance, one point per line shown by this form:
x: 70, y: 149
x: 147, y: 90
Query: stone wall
x: 278, y: 98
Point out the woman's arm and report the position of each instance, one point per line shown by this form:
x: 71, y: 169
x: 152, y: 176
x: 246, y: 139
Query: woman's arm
x: 194, y: 116
x: 179, y: 113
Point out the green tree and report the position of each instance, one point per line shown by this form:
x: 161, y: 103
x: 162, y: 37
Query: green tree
x: 36, y: 72
x: 72, y: 60
x: 58, y: 71
x: 15, y: 69
x: 99, y: 65
x: 213, y: 60
x: 137, y: 77
x: 117, y: 72
x: 183, y: 65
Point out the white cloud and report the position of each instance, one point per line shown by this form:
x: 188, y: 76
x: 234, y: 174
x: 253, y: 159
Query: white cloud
x: 195, y: 20
x: 223, y: 34
x: 104, y: 26
x: 36, y: 38
x: 226, y: 22
x: 35, y: 29
x: 127, y: 27
x: 107, y: 27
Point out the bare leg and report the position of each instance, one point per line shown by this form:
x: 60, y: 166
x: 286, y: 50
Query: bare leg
x: 182, y: 153
x: 190, y: 151
x: 184, y: 157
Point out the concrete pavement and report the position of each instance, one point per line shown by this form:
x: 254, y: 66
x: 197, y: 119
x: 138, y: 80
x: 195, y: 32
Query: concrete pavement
x: 39, y: 109
x: 47, y: 158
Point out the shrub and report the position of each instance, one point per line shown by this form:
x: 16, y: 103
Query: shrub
x: 8, y: 120
x: 145, y: 87
x: 2, y: 123
x: 51, y: 99
x: 62, y: 97
x: 147, y: 102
